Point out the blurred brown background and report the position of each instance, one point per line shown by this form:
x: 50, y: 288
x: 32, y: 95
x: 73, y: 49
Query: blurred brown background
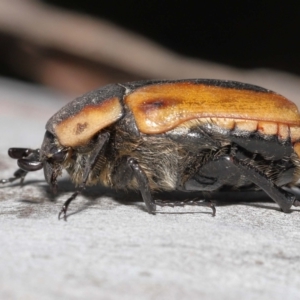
x: 110, y: 248
x: 75, y: 46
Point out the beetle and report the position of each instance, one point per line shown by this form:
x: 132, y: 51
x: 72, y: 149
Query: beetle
x: 188, y: 135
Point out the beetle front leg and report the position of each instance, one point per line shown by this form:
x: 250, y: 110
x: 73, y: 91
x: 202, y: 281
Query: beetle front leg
x: 130, y: 168
x: 284, y: 199
x: 97, y: 150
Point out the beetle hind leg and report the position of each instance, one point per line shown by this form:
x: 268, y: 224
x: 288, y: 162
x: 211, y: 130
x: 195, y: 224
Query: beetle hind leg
x: 236, y: 162
x: 227, y: 169
x: 143, y: 183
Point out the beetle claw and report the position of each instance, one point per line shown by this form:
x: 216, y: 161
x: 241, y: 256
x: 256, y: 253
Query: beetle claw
x: 64, y: 212
x: 64, y: 209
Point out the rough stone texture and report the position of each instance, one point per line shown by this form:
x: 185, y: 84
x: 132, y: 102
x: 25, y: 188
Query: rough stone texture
x: 110, y: 248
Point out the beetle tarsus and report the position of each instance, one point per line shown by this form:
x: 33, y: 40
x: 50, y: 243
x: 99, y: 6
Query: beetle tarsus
x: 63, y: 211
x: 64, y: 208
x: 193, y: 202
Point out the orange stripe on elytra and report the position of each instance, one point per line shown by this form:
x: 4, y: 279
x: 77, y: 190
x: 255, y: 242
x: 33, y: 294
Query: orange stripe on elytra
x: 161, y: 107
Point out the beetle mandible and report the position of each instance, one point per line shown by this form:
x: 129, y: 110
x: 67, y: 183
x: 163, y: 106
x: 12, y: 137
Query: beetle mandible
x: 188, y: 135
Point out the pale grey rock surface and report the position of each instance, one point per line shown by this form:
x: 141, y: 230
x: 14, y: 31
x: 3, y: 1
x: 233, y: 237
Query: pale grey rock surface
x: 112, y: 249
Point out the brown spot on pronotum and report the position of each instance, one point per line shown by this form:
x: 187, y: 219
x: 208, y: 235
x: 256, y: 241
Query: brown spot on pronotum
x: 81, y: 127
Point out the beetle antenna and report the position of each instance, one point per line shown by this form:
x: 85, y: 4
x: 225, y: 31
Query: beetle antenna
x: 28, y: 160
x: 19, y: 174
x: 31, y: 162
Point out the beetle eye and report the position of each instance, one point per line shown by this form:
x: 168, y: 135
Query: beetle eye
x: 58, y: 156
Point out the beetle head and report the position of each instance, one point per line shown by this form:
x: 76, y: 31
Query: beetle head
x: 52, y: 157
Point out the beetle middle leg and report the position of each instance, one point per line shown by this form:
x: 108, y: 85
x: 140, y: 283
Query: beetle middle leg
x: 129, y: 168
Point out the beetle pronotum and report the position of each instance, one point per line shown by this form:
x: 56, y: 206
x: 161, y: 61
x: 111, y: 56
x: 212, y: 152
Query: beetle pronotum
x: 187, y: 135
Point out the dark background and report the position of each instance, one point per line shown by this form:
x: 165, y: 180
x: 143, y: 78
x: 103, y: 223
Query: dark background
x: 245, y: 34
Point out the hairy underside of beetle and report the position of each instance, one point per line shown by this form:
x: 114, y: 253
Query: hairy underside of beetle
x: 186, y: 158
